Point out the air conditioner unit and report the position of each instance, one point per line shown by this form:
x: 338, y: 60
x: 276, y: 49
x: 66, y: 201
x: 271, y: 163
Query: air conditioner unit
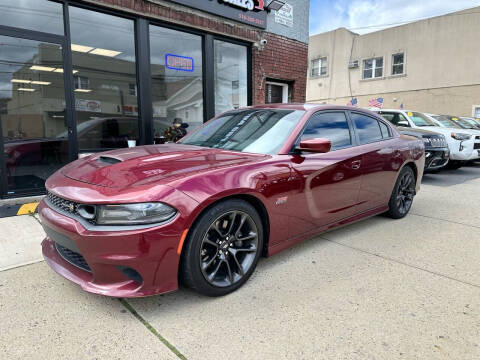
x: 353, y: 64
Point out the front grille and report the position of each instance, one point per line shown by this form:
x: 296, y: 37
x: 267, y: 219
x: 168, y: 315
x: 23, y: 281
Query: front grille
x: 72, y: 257
x: 438, y: 141
x: 63, y: 204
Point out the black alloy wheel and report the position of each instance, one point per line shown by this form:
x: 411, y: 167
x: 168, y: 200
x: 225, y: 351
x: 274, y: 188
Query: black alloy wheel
x: 403, y: 193
x: 223, y: 248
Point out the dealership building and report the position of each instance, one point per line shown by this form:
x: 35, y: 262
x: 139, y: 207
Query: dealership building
x: 78, y: 77
x: 429, y: 65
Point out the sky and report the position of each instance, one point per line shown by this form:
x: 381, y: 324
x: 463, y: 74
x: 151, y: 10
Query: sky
x: 355, y: 15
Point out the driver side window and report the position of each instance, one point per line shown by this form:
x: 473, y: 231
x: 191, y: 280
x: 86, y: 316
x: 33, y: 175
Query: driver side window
x: 330, y: 125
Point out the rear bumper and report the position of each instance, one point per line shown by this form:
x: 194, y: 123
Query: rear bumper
x: 121, y: 263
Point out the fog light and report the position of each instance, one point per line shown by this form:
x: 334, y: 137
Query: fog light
x: 130, y: 273
x: 428, y: 154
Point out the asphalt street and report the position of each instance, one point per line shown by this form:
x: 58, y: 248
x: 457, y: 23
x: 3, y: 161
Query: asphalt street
x: 378, y: 289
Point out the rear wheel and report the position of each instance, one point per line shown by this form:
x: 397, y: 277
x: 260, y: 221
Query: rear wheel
x: 402, y: 195
x: 223, y: 248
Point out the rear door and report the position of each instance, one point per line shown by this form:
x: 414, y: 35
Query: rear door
x: 378, y: 160
x: 328, y: 184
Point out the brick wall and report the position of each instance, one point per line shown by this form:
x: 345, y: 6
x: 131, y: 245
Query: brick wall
x: 281, y: 59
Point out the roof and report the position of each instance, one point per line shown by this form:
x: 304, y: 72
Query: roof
x: 306, y: 107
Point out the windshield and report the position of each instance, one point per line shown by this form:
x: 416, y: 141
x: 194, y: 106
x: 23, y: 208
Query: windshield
x: 421, y: 120
x: 261, y: 131
x: 445, y: 121
x: 472, y: 122
x: 80, y: 128
x: 464, y: 124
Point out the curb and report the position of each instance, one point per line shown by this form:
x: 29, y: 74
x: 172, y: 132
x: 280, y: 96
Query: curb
x: 16, y: 210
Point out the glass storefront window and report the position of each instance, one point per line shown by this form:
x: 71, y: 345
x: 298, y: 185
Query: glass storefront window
x: 177, y: 82
x: 104, y: 80
x: 32, y: 112
x: 231, y: 90
x: 38, y: 15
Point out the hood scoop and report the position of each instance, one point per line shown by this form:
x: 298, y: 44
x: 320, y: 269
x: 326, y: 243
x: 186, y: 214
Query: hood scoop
x: 108, y: 160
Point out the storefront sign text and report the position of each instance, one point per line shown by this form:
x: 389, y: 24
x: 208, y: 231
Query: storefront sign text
x: 178, y: 62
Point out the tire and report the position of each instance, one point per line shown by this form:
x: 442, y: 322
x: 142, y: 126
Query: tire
x: 454, y: 164
x: 402, y: 195
x: 222, y: 248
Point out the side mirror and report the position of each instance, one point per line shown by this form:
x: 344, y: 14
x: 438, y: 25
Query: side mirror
x: 319, y: 145
x: 403, y: 123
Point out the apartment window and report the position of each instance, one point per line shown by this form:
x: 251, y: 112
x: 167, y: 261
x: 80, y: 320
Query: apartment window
x: 373, y: 68
x: 319, y: 67
x: 398, y: 61
x: 80, y: 82
x: 132, y: 89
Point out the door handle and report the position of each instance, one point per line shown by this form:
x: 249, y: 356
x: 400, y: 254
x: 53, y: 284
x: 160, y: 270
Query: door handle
x: 356, y: 164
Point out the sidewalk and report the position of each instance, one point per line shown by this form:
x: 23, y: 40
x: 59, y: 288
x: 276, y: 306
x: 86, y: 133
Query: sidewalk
x: 378, y: 289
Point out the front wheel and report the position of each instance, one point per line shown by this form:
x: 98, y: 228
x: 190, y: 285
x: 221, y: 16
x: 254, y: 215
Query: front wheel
x: 402, y: 195
x: 223, y: 248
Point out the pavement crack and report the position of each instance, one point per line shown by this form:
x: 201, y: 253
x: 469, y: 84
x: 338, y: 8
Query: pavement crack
x: 152, y: 329
x: 403, y: 263
x: 450, y: 221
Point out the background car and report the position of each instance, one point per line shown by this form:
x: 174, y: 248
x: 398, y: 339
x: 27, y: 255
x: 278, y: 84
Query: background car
x: 437, y: 153
x: 472, y: 121
x: 250, y: 182
x: 460, y: 142
x: 453, y: 122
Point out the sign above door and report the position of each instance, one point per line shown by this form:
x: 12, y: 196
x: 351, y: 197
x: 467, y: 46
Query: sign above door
x: 251, y: 12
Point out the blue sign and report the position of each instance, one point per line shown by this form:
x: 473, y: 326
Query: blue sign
x: 178, y: 62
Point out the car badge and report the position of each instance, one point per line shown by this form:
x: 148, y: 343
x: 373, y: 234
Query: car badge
x: 281, y: 200
x: 71, y: 207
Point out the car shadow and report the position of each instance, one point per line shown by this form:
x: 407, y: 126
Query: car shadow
x: 445, y: 177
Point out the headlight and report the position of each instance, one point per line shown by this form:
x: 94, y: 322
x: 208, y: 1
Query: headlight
x: 134, y: 214
x: 460, y: 136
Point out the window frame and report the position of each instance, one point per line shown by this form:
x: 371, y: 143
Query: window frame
x: 385, y: 122
x: 321, y: 60
x: 374, y: 67
x: 402, y: 64
x: 353, y: 138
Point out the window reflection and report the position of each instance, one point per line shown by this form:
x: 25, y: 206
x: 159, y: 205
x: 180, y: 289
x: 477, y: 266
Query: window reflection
x: 105, y: 85
x: 230, y: 76
x: 177, y: 82
x: 38, y: 15
x: 32, y: 112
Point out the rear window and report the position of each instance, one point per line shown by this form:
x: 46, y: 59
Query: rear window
x: 368, y: 128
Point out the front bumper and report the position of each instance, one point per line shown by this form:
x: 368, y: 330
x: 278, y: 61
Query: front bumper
x: 131, y: 263
x: 436, y: 158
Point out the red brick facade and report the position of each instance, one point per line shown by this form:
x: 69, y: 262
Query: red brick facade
x: 281, y: 59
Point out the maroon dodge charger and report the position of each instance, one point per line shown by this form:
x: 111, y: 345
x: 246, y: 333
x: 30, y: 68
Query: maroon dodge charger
x: 251, y: 182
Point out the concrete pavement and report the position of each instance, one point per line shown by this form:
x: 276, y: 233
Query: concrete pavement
x: 379, y: 289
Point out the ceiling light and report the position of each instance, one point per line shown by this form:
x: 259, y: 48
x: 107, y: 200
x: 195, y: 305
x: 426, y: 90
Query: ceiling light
x: 41, y: 82
x: 105, y: 52
x: 20, y: 81
x: 81, y: 48
x: 26, y: 89
x: 60, y: 70
x: 41, y: 68
x: 83, y: 90
x: 275, y: 5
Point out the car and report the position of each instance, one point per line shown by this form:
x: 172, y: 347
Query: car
x: 452, y: 122
x: 474, y: 123
x: 460, y: 142
x: 437, y: 153
x: 249, y: 183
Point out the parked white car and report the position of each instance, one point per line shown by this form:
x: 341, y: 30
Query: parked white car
x: 460, y: 141
x: 452, y: 122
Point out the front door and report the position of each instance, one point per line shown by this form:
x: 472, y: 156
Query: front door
x: 328, y: 184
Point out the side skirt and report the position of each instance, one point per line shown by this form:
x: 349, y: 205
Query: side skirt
x: 276, y: 248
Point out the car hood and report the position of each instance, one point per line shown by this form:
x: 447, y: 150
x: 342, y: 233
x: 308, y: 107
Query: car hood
x: 153, y: 164
x: 448, y: 131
